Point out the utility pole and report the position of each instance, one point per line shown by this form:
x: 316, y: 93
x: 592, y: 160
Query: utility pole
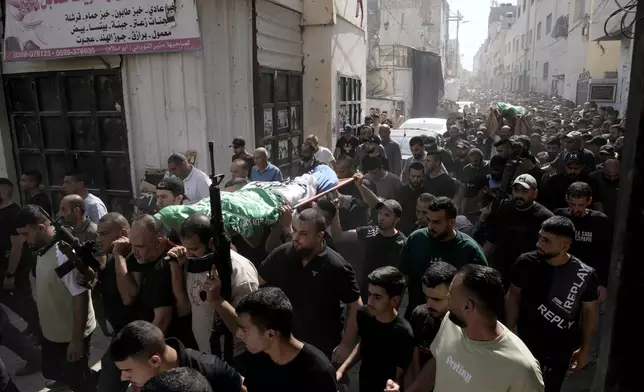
x: 458, y: 19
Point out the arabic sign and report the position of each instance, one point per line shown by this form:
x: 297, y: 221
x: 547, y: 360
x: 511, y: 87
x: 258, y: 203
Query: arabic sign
x: 47, y: 29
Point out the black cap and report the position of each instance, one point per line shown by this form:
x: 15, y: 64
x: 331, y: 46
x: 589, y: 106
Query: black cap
x: 392, y: 205
x: 607, y: 149
x: 463, y: 144
x: 172, y: 184
x: 572, y: 158
x: 5, y: 181
x: 238, y: 142
x: 598, y: 141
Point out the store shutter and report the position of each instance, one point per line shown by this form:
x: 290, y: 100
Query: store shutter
x: 279, y: 37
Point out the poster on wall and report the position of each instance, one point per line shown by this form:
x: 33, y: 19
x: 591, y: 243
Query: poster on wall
x: 49, y: 29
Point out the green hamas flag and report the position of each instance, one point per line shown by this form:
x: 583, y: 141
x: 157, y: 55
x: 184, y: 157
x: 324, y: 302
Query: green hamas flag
x: 243, y: 211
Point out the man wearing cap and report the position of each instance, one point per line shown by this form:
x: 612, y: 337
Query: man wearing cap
x: 382, y: 243
x: 573, y: 143
x: 418, y: 154
x: 461, y: 159
x: 347, y: 143
x: 170, y: 192
x: 605, y: 152
x: 513, y: 229
x: 195, y: 182
x: 554, y: 190
x: 239, y: 152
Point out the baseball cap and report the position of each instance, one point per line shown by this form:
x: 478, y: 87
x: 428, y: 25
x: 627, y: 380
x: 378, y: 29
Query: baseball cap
x: 238, y: 142
x: 526, y: 181
x: 392, y: 205
x: 572, y: 158
x: 607, y: 149
x: 598, y: 141
x: 463, y: 144
x: 574, y: 135
x: 347, y: 128
x: 172, y: 184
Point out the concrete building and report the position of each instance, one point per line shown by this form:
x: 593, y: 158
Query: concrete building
x: 560, y: 49
x: 268, y: 71
x: 395, y: 29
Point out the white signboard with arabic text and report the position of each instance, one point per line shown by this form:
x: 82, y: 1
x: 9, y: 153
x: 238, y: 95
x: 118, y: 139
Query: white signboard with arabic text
x: 47, y: 29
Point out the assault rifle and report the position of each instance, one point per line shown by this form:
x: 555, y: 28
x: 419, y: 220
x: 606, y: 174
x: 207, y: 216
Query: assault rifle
x: 221, y: 263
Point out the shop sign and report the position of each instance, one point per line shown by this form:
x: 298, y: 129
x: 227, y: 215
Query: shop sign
x: 48, y: 29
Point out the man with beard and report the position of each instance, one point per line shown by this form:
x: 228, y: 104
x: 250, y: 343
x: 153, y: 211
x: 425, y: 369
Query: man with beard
x: 573, y: 144
x: 64, y: 307
x: 473, y: 351
x: 593, y: 236
x: 407, y: 195
x: 437, y: 181
x: 386, y: 183
x: 322, y: 153
x: 514, y: 227
x: 553, y: 191
x: 392, y: 150
x: 317, y: 280
x: 553, y: 147
x: 439, y: 241
x: 373, y: 149
x: 608, y: 179
x: 418, y: 154
x: 382, y: 243
x: 386, y: 338
x: 426, y: 319
x: 454, y: 139
x: 552, y: 302
x: 462, y: 159
x: 308, y: 161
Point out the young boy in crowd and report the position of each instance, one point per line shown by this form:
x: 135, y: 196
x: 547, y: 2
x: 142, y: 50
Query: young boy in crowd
x: 386, y: 338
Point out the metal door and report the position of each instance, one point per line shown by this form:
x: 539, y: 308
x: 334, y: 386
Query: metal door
x: 61, y: 121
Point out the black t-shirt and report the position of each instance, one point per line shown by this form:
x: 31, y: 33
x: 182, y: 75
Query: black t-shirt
x: 443, y: 185
x: 383, y: 349
x: 609, y: 191
x: 593, y: 240
x: 8, y: 217
x: 514, y: 232
x: 474, y: 179
x: 407, y: 197
x: 42, y: 200
x: 553, y: 192
x: 551, y: 303
x: 310, y: 371
x: 425, y: 328
x: 255, y: 255
x: 219, y: 374
x: 347, y: 147
x: 380, y: 251
x: 457, y: 168
x: 118, y: 314
x: 315, y: 290
x: 358, y: 212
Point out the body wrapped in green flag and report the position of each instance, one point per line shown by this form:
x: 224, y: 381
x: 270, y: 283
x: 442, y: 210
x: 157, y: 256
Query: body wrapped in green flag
x: 243, y: 211
x: 511, y: 111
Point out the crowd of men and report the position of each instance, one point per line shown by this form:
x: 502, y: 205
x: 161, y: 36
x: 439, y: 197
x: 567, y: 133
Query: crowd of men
x: 499, y: 243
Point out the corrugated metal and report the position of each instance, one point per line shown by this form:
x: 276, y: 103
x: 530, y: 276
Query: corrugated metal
x: 279, y: 37
x: 179, y: 101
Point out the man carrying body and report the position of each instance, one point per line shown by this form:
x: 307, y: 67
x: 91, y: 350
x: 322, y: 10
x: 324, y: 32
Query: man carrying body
x: 170, y: 192
x: 239, y: 152
x: 195, y: 182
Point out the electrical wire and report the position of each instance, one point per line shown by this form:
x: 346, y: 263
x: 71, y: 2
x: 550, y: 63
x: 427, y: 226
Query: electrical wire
x: 622, y: 12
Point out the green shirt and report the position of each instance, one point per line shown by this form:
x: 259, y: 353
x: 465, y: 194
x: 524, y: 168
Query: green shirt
x: 421, y: 250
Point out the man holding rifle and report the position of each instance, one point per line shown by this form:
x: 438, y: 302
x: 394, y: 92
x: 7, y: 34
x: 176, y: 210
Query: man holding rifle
x: 62, y: 303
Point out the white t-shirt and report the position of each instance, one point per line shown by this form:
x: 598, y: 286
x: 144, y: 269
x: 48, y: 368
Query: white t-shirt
x: 244, y: 280
x: 196, y: 186
x: 324, y: 155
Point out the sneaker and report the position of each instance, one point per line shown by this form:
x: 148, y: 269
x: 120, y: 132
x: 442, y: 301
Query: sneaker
x: 55, y: 385
x: 29, y: 368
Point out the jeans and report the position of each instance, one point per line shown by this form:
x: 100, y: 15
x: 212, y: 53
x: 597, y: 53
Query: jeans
x: 109, y: 378
x: 77, y: 375
x: 16, y: 341
x: 6, y: 384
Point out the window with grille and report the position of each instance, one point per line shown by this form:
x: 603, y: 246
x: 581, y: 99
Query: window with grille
x: 349, y: 98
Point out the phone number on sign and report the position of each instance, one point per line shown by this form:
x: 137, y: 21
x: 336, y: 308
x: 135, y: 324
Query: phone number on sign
x: 55, y: 53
